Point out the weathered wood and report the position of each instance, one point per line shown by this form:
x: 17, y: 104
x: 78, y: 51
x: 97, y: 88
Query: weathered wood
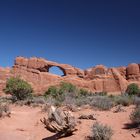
x: 60, y: 121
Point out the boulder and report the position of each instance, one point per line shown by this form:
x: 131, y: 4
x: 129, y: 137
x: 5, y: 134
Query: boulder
x: 133, y: 72
x: 133, y: 69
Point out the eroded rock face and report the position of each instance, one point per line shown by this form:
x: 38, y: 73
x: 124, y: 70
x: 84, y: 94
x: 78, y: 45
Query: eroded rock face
x: 5, y: 73
x: 96, y: 79
x: 133, y: 72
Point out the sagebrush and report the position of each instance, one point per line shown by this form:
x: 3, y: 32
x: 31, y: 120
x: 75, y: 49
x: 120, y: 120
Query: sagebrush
x: 101, y: 132
x: 135, y: 115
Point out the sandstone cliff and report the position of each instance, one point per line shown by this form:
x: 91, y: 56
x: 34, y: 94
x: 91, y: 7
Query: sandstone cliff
x: 97, y: 79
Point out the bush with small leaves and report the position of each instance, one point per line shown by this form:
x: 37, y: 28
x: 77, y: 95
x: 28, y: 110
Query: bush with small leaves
x: 51, y: 101
x: 101, y: 132
x: 133, y: 89
x: 18, y: 88
x: 39, y: 100
x: 124, y: 100
x: 102, y: 102
x: 67, y: 87
x: 137, y: 101
x: 64, y: 88
x: 83, y: 92
x: 6, y: 100
x: 68, y: 94
x: 4, y: 110
x: 62, y: 93
x: 135, y: 115
x: 52, y: 91
x: 80, y: 101
x: 69, y: 99
x: 101, y: 93
x: 34, y: 101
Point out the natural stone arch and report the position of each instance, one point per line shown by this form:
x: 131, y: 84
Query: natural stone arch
x: 48, y: 67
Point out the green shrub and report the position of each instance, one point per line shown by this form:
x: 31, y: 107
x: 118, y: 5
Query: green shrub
x: 135, y: 115
x: 101, y: 93
x: 66, y: 87
x: 18, y: 88
x: 52, y: 91
x: 133, y: 89
x: 101, y: 132
x: 83, y: 92
x: 68, y: 94
x: 62, y: 93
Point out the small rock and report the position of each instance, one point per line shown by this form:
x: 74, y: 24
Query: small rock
x: 87, y: 117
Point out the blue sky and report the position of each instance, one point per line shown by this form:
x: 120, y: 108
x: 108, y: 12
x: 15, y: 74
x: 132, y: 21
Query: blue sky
x: 82, y: 33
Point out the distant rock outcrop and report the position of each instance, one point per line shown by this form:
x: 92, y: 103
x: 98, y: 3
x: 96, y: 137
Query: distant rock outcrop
x: 96, y: 79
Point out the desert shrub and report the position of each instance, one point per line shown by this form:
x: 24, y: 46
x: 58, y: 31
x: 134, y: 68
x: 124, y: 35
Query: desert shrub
x: 83, y: 92
x: 102, y: 102
x: 83, y: 101
x: 6, y: 100
x: 45, y: 108
x: 101, y: 93
x: 18, y: 88
x: 67, y: 87
x: 53, y: 101
x: 137, y: 101
x: 4, y: 110
x: 69, y: 99
x: 68, y: 94
x: 52, y: 91
x: 101, y: 132
x: 124, y: 100
x: 34, y: 101
x: 64, y: 88
x: 63, y: 93
x: 135, y: 115
x: 39, y: 100
x: 133, y: 89
x: 111, y: 96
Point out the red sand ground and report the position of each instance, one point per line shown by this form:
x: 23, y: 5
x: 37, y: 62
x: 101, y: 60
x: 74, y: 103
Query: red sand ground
x: 24, y: 124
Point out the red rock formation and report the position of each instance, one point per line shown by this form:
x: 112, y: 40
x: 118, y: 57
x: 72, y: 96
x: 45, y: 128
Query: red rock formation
x: 5, y: 73
x: 97, y: 79
x: 133, y: 72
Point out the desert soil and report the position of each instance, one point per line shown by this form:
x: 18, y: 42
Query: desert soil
x: 24, y: 124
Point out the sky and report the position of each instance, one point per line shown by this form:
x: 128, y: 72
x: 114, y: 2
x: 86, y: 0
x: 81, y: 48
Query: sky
x: 82, y: 33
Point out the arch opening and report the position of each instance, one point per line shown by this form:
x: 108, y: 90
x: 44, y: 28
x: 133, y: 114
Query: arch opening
x: 56, y: 70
